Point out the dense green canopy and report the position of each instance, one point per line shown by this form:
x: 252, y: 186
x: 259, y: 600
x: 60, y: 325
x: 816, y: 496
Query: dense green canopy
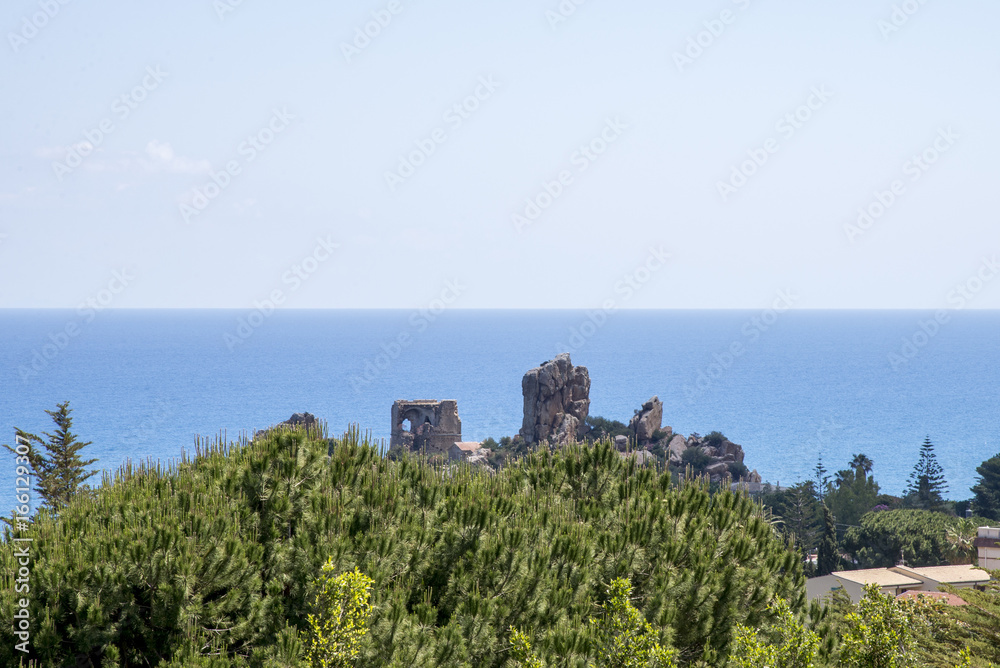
x: 212, y: 562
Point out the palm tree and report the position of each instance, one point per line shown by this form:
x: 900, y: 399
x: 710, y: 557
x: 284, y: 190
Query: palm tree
x: 862, y: 462
x: 962, y: 542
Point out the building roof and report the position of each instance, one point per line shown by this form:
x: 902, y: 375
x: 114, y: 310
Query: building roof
x: 950, y: 599
x: 961, y: 574
x: 468, y: 446
x: 882, y: 577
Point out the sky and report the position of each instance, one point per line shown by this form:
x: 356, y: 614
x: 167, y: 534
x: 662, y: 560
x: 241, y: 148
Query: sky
x: 509, y: 154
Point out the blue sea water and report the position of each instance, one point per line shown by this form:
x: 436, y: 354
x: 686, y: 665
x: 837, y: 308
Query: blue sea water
x: 807, y: 383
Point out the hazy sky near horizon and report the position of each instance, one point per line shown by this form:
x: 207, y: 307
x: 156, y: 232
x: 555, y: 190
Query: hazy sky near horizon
x: 499, y: 154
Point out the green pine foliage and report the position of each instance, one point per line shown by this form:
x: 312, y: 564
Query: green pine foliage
x: 55, y: 461
x: 927, y: 486
x: 986, y: 501
x: 212, y: 562
x: 970, y: 632
x: 918, y: 537
x: 828, y: 559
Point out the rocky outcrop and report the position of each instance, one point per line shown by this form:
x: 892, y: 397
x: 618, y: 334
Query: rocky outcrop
x: 307, y: 421
x: 301, y: 419
x: 556, y: 402
x: 678, y: 444
x: 647, y: 421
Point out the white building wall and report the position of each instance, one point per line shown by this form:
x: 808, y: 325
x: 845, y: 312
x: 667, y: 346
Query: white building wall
x: 989, y: 557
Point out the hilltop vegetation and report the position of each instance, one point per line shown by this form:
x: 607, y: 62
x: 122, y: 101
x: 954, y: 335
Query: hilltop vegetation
x: 215, y: 562
x: 295, y: 551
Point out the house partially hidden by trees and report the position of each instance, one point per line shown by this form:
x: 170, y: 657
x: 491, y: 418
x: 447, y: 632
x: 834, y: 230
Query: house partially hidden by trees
x: 988, y: 545
x: 897, y: 580
x: 465, y: 450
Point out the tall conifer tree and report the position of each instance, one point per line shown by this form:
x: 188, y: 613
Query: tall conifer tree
x: 829, y: 551
x: 927, y: 485
x: 55, y: 461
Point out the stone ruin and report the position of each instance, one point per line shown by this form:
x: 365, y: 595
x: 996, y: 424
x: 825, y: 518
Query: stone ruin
x: 428, y: 427
x: 556, y: 406
x: 556, y: 402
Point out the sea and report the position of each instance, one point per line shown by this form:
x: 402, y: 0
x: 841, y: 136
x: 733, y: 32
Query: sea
x: 792, y: 387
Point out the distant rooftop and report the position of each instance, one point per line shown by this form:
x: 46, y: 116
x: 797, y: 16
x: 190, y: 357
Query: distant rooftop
x: 962, y: 574
x: 468, y: 446
x: 882, y: 577
x: 950, y: 599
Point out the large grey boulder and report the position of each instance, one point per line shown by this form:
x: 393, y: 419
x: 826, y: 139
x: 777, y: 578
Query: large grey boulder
x: 556, y: 401
x: 647, y: 420
x: 678, y: 444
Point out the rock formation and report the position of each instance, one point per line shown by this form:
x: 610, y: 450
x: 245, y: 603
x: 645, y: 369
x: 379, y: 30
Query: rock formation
x: 556, y: 402
x: 646, y: 421
x: 307, y: 420
x: 303, y: 419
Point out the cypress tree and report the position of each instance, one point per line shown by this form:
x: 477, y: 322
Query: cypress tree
x: 59, y: 471
x: 927, y: 484
x: 829, y: 552
x: 987, y: 489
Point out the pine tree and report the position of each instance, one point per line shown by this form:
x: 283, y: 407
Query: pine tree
x: 59, y: 471
x: 927, y: 485
x: 829, y: 551
x: 987, y: 490
x: 822, y: 479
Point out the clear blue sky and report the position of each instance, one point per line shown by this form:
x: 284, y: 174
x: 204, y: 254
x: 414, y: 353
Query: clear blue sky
x: 673, y: 130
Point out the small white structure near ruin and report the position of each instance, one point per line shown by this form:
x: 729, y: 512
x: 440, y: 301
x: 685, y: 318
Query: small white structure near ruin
x: 463, y: 450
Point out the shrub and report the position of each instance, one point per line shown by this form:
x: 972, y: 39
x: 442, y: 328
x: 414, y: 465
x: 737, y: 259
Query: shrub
x: 696, y: 459
x: 604, y: 428
x: 738, y: 470
x: 715, y: 439
x: 342, y: 606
